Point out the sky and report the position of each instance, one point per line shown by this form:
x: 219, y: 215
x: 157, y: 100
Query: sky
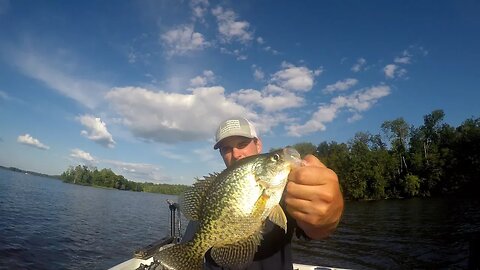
x: 141, y: 86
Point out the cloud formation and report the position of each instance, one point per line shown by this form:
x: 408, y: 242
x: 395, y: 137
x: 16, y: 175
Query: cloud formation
x: 405, y: 58
x: 173, y: 117
x: 96, y: 130
x: 340, y: 85
x: 199, y: 10
x: 202, y: 80
x: 294, y: 78
x: 139, y: 172
x: 359, y: 65
x: 269, y: 102
x: 30, y: 141
x: 357, y: 102
x: 393, y: 71
x: 182, y: 40
x: 258, y: 74
x: 231, y: 29
x: 285, y: 90
x: 81, y: 155
x: 47, y: 69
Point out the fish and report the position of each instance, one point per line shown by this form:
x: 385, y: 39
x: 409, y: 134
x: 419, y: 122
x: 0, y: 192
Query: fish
x: 231, y: 208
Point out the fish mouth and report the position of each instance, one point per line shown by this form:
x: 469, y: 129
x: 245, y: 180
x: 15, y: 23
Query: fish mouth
x: 292, y: 156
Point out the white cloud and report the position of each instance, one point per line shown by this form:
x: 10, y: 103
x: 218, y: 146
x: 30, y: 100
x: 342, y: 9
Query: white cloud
x: 267, y: 101
x: 182, y: 40
x: 354, y: 117
x: 199, y: 81
x: 282, y: 93
x: 359, y: 65
x: 238, y: 53
x: 230, y: 28
x: 405, y: 58
x: 30, y: 141
x: 258, y: 74
x: 260, y: 40
x: 272, y: 88
x: 295, y: 78
x: 173, y: 117
x: 199, y: 9
x: 357, y: 102
x: 138, y: 172
x: 392, y: 71
x: 82, y: 155
x: 340, y: 85
x: 52, y: 72
x: 271, y: 50
x: 324, y: 114
x: 362, y: 100
x: 97, y: 130
x: 389, y: 70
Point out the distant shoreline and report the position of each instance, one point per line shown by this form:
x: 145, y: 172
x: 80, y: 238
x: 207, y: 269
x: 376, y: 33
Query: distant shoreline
x: 59, y: 177
x: 14, y: 169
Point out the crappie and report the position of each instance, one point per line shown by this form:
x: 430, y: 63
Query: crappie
x: 231, y: 208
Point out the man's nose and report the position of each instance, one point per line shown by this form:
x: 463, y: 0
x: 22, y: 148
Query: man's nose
x: 237, y: 153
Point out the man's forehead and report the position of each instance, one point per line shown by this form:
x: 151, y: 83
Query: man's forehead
x: 233, y: 140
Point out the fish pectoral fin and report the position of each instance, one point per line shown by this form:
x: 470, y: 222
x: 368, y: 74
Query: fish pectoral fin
x: 259, y: 206
x: 237, y: 255
x: 278, y: 217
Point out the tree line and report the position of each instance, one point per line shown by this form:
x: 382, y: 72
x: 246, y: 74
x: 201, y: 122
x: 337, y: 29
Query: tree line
x: 83, y: 175
x: 405, y: 161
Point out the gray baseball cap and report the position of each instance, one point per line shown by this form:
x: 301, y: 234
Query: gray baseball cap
x: 237, y: 126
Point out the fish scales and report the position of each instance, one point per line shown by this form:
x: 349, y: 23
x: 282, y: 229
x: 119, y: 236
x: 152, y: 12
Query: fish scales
x: 231, y: 209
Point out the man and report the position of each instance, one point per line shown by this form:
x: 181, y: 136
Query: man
x: 312, y: 198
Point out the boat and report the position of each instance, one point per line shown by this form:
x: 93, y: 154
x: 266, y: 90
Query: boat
x: 143, y: 257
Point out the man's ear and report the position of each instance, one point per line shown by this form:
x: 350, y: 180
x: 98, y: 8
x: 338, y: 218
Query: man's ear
x: 259, y: 146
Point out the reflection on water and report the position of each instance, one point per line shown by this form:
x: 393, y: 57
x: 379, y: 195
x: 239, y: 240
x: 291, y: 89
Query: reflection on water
x: 46, y: 224
x: 400, y: 234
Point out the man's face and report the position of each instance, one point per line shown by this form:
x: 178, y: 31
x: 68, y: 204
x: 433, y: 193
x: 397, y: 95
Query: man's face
x: 237, y: 147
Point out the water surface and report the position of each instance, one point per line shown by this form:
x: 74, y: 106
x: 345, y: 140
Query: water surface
x: 47, y: 224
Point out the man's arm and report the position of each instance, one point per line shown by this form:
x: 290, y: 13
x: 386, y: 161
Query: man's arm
x: 314, y: 199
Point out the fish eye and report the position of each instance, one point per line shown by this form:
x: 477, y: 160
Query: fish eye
x: 276, y: 157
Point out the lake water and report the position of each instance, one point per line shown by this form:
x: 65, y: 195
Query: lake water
x: 47, y: 224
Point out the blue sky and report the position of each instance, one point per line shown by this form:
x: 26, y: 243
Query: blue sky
x: 140, y: 86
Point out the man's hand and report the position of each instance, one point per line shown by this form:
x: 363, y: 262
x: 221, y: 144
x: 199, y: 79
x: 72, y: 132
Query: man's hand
x: 313, y: 198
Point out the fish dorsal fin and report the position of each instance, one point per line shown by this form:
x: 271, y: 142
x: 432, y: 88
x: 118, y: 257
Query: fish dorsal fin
x: 278, y: 217
x: 237, y: 255
x: 191, y: 201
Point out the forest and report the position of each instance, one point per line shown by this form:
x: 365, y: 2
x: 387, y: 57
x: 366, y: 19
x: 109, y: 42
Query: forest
x: 404, y: 161
x: 83, y: 175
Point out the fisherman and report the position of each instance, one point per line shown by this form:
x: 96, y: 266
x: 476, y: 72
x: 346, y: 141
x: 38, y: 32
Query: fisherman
x: 312, y: 198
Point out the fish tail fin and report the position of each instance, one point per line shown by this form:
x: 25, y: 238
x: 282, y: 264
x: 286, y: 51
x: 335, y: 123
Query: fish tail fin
x: 180, y: 257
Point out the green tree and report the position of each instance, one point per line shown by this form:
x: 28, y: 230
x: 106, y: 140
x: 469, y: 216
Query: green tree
x: 305, y: 148
x: 411, y: 185
x: 398, y: 132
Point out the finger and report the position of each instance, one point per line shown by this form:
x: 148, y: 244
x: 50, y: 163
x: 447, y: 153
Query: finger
x: 297, y: 205
x: 311, y: 160
x: 312, y: 176
x: 304, y: 192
